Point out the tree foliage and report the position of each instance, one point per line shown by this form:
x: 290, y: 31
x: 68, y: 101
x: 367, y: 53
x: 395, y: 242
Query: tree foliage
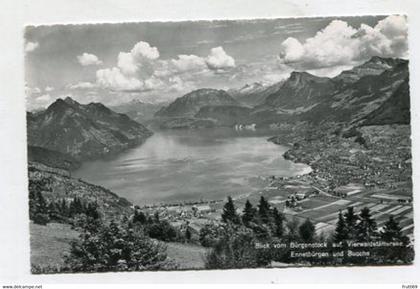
x: 115, y: 247
x: 341, y: 229
x: 366, y: 228
x: 264, y: 210
x: 249, y: 213
x: 307, y: 231
x: 235, y: 249
x: 229, y: 213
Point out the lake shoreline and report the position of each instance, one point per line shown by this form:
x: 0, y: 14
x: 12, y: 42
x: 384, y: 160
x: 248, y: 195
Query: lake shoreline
x: 231, y: 158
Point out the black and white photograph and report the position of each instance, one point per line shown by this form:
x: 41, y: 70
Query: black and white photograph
x: 224, y: 144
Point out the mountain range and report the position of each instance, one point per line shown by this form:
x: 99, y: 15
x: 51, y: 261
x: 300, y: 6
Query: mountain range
x: 374, y: 92
x: 83, y: 131
x: 253, y: 94
x: 191, y: 103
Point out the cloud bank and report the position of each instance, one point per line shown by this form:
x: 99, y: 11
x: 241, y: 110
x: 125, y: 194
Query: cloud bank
x: 142, y: 69
x: 340, y: 44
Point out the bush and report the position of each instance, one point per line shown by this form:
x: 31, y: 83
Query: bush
x: 236, y: 249
x: 210, y: 235
x: 162, y: 230
x: 41, y: 219
x: 115, y: 247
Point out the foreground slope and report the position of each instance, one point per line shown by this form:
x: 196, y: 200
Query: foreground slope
x: 60, y: 185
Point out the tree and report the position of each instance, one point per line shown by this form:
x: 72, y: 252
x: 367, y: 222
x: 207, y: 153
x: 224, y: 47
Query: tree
x: 92, y: 211
x: 307, y: 231
x: 341, y: 231
x: 156, y: 217
x: 392, y: 232
x: 351, y: 222
x: 229, y: 212
x: 162, y: 230
x: 32, y: 204
x: 76, y: 207
x: 248, y: 213
x: 264, y: 210
x: 366, y: 228
x: 188, y: 234
x: 54, y: 211
x: 139, y: 217
x: 38, y: 208
x: 210, y: 235
x: 37, y: 203
x: 115, y: 247
x: 64, y: 208
x: 236, y: 249
x: 278, y: 223
x: 292, y: 229
x: 41, y: 203
x: 41, y: 219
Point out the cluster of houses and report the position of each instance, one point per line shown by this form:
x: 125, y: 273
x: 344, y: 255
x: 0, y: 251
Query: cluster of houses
x: 239, y: 127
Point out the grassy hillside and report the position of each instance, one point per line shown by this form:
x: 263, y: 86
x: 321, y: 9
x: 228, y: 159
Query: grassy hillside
x: 50, y: 243
x: 186, y: 256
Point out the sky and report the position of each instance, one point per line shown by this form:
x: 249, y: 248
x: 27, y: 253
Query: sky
x: 160, y: 61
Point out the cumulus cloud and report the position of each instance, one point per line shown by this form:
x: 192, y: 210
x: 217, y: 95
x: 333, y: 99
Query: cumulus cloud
x: 32, y: 90
x: 49, y: 88
x: 291, y: 50
x: 126, y: 63
x: 113, y: 78
x: 340, y: 44
x: 39, y: 101
x: 143, y: 50
x: 139, y: 57
x: 44, y: 98
x: 87, y: 59
x: 219, y: 59
x: 31, y: 46
x: 82, y: 85
x: 153, y: 83
x: 134, y: 70
x: 186, y: 63
x: 177, y: 84
x: 141, y: 69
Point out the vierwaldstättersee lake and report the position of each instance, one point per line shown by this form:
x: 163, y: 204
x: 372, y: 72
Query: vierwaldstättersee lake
x: 188, y: 165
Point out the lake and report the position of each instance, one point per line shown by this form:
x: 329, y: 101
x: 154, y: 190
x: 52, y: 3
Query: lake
x: 189, y: 165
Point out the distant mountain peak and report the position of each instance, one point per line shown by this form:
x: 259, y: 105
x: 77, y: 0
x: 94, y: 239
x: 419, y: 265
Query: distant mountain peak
x: 303, y: 77
x: 58, y: 105
x: 301, y: 89
x: 83, y: 131
x: 300, y: 75
x: 190, y: 103
x: 378, y: 59
x: 70, y: 101
x: 204, y: 91
x: 374, y: 66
